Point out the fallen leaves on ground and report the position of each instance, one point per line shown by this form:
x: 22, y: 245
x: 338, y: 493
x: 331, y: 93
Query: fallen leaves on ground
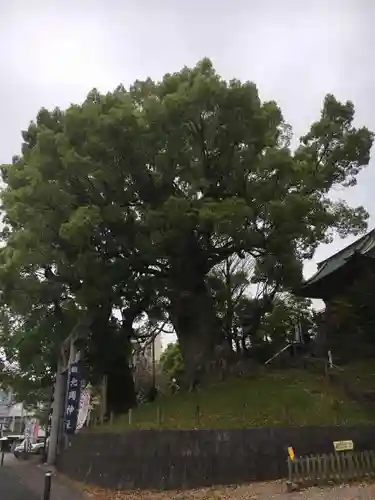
x: 256, y: 491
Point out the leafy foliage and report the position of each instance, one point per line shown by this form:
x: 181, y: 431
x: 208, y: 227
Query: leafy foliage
x: 288, y: 312
x: 125, y: 203
x: 229, y: 283
x: 171, y: 362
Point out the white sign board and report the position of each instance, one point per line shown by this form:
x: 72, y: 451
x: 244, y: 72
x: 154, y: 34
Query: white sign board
x: 343, y: 445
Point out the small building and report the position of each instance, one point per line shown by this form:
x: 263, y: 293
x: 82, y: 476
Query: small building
x: 333, y: 283
x: 13, y: 415
x: 148, y: 354
x: 341, y: 270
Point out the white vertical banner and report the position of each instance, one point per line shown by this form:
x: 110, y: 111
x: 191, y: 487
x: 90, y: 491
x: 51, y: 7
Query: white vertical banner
x: 84, y: 407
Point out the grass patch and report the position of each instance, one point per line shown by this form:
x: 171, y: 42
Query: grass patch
x: 272, y: 398
x: 360, y: 374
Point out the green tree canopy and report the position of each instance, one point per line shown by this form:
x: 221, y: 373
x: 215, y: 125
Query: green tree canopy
x: 128, y: 200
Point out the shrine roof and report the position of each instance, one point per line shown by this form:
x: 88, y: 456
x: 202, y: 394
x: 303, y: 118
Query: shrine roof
x: 364, y: 246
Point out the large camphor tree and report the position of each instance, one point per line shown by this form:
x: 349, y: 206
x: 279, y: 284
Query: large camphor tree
x: 130, y: 199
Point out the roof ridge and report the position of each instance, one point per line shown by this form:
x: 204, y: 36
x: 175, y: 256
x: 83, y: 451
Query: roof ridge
x: 357, y: 242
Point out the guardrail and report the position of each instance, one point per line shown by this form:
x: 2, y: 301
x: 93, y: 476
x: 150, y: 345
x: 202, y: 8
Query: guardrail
x: 339, y: 467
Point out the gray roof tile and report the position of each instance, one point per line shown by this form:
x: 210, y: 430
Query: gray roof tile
x: 363, y: 246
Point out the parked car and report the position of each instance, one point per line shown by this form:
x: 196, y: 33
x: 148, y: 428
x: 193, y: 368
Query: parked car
x: 28, y: 448
x: 13, y: 440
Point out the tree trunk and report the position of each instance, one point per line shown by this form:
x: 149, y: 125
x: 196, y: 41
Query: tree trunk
x: 109, y: 354
x: 120, y: 388
x: 197, y: 327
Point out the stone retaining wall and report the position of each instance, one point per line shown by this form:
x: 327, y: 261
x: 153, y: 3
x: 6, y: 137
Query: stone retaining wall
x: 175, y: 459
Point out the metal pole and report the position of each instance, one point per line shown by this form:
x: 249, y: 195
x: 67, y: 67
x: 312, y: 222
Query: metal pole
x: 3, y: 443
x: 47, y: 486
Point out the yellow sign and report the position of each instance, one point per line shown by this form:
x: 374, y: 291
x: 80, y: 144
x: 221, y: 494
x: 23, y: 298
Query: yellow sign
x: 343, y: 445
x: 291, y: 453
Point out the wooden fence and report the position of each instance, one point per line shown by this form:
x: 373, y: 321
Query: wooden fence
x: 338, y: 467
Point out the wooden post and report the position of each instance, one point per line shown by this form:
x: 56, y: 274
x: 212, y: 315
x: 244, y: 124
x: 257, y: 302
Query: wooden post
x: 198, y: 414
x: 153, y: 367
x: 158, y: 415
x: 330, y: 362
x: 130, y: 416
x: 103, y: 406
x: 244, y: 413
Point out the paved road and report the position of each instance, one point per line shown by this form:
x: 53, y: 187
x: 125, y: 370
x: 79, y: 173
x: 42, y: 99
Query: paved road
x: 11, y: 487
x: 23, y: 480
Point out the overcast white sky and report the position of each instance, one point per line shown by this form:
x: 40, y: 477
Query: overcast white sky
x: 53, y: 52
